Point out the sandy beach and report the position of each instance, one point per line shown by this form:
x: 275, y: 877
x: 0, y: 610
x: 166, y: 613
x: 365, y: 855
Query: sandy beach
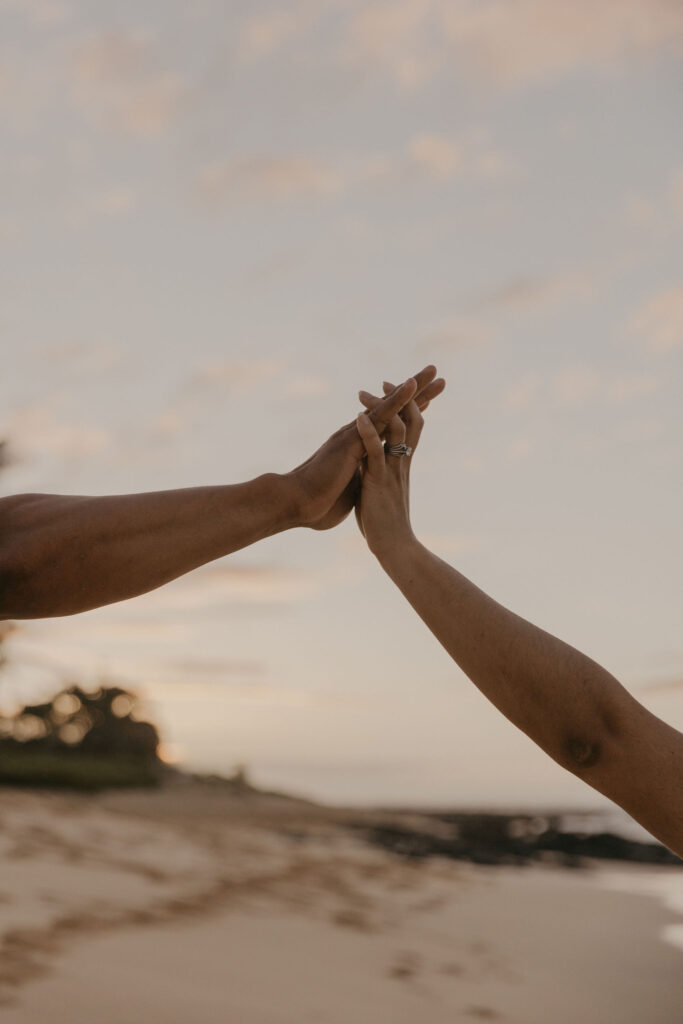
x: 197, y: 904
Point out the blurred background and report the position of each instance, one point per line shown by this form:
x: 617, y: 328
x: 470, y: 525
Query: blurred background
x: 219, y: 221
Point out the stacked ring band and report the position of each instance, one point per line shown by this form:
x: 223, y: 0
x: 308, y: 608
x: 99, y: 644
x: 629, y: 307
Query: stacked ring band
x: 398, y: 449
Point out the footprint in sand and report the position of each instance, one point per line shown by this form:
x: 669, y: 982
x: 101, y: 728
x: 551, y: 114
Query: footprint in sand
x: 351, y: 918
x: 483, y: 1013
x: 453, y: 969
x: 405, y: 966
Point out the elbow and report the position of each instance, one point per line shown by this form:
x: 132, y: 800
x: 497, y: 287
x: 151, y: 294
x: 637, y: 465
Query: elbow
x: 579, y: 754
x: 585, y: 749
x: 590, y: 741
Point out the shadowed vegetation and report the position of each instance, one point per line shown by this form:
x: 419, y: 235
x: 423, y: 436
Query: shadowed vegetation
x: 81, y: 740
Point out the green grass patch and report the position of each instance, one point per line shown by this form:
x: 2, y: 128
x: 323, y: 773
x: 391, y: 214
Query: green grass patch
x: 56, y: 770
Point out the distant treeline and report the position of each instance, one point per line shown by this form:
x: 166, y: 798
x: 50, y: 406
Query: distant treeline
x: 80, y: 739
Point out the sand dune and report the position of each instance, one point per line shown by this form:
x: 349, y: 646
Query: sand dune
x: 192, y: 904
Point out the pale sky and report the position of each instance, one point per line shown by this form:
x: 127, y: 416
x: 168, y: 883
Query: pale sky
x: 219, y: 221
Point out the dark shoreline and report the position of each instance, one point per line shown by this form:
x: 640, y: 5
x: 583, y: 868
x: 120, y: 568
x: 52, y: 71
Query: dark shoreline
x: 480, y: 837
x: 505, y: 839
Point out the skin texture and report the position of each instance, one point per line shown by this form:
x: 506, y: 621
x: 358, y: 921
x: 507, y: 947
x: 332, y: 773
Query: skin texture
x: 65, y: 554
x: 570, y: 706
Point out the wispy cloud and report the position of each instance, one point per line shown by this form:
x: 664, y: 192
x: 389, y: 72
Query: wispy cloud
x: 40, y: 14
x: 433, y: 157
x: 474, y: 157
x: 665, y: 686
x: 452, y: 544
x: 264, y: 33
x: 80, y: 358
x: 510, y: 42
x: 220, y: 584
x: 529, y: 293
x: 186, y: 666
x: 117, y: 82
x: 458, y: 333
x: 575, y: 384
x: 521, y: 394
x: 520, y: 447
x: 115, y: 201
x: 259, y: 178
x: 396, y: 38
x: 36, y: 432
x: 306, y: 385
x: 237, y: 375
x: 426, y: 156
x: 213, y: 382
x: 659, y: 321
x: 626, y: 387
x: 438, y: 156
x: 528, y: 41
x: 658, y: 212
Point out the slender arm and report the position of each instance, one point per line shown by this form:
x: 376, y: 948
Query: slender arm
x: 570, y: 706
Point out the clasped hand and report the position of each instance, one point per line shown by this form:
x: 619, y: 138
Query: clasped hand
x: 347, y: 469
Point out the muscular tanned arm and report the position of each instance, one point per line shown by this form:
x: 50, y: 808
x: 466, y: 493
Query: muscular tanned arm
x: 63, y: 554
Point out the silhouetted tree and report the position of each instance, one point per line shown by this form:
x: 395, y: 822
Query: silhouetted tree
x: 99, y: 722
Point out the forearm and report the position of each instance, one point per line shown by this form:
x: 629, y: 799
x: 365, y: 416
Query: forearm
x: 563, y: 700
x: 60, y: 555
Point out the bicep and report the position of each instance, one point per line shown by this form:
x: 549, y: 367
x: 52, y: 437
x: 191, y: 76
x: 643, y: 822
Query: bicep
x: 641, y: 769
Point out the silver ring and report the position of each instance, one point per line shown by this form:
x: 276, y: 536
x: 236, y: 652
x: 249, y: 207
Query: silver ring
x: 398, y: 449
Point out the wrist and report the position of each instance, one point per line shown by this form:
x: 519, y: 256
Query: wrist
x: 283, y: 500
x: 394, y: 548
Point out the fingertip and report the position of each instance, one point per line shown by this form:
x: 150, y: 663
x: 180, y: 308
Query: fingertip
x: 429, y: 370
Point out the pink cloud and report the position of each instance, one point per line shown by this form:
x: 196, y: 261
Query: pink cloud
x: 659, y: 321
x: 507, y: 41
x: 266, y: 177
x: 116, y: 80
